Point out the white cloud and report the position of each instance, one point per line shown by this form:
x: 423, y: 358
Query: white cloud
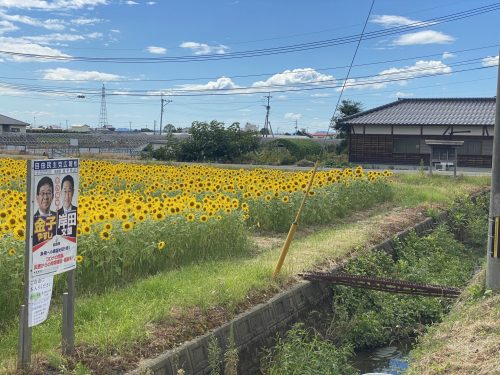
x: 156, y: 50
x: 130, y: 2
x: 50, y: 24
x: 423, y: 37
x: 221, y: 83
x: 296, y: 76
x: 86, y: 21
x: 6, y: 26
x: 490, y: 61
x: 204, y: 49
x: 399, y: 76
x: 19, y: 45
x: 151, y: 2
x: 292, y: 116
x: 94, y: 35
x: 78, y: 75
x: 116, y: 31
x: 322, y: 95
x: 51, y: 5
x: 447, y: 55
x: 401, y: 94
x: 394, y: 21
x: 282, y: 97
x: 55, y: 37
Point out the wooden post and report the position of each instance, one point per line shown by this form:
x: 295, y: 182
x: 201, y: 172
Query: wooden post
x: 68, y: 324
x: 455, y: 163
x: 430, y: 160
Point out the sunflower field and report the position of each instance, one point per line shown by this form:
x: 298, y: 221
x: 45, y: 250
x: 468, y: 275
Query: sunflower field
x: 136, y: 220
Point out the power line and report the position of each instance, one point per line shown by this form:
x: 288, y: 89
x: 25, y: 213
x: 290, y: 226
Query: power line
x: 317, y: 84
x: 261, y: 74
x: 270, y: 51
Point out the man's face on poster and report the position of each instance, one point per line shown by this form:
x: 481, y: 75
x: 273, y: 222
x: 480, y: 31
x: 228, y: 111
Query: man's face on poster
x: 44, y: 198
x: 67, y: 193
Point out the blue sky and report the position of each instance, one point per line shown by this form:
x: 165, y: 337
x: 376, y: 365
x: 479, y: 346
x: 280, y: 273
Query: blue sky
x: 55, y: 55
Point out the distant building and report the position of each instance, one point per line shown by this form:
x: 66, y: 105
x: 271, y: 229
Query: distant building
x: 323, y: 134
x: 10, y: 125
x: 80, y: 128
x: 396, y: 133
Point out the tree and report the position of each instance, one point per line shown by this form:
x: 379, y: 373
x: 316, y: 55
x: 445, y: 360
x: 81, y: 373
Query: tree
x: 169, y: 128
x: 211, y: 141
x: 346, y: 108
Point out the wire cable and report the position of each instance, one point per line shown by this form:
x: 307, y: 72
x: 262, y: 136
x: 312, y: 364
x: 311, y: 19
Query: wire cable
x: 267, y: 51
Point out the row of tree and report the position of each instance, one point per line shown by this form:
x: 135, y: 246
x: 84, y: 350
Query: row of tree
x: 212, y: 141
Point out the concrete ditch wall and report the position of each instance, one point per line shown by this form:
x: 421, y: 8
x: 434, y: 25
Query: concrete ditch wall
x: 257, y: 328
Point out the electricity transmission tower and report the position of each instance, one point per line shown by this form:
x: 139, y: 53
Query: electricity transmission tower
x: 267, y: 125
x: 103, y: 116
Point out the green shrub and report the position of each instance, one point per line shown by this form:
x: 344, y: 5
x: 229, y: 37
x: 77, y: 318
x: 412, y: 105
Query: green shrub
x: 305, y: 353
x: 365, y: 318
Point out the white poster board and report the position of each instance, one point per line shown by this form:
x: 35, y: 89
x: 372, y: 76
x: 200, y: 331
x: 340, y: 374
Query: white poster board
x: 53, y: 217
x: 39, y: 299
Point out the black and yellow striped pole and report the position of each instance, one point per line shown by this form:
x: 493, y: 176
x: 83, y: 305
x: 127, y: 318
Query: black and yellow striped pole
x: 293, y: 227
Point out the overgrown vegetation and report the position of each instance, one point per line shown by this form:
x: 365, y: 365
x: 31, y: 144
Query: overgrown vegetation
x: 288, y: 151
x: 213, y: 142
x: 365, y: 319
x: 303, y: 352
x: 323, y: 206
x: 467, y: 341
x: 110, y: 322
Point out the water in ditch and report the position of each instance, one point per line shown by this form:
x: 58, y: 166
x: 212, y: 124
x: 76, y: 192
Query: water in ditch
x: 390, y: 360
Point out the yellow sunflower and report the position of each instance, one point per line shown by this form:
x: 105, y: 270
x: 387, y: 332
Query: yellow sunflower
x: 161, y: 245
x: 127, y: 226
x: 19, y: 233
x: 105, y: 235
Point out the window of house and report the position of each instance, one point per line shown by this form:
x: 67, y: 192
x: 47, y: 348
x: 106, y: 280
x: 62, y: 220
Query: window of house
x: 15, y: 130
x: 406, y: 146
x: 472, y: 147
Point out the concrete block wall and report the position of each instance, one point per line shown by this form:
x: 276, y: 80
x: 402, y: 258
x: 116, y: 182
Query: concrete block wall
x: 257, y: 328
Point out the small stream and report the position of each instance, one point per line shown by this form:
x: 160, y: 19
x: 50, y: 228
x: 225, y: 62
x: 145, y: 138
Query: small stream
x: 384, y: 360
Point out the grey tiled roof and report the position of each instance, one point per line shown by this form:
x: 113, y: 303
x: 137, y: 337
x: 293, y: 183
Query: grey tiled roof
x: 4, y: 120
x: 448, y: 111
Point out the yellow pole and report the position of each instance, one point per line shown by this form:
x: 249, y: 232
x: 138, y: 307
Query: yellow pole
x: 293, y: 227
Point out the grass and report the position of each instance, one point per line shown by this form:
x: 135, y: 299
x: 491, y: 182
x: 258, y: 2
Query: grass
x: 411, y: 190
x: 124, y: 318
x: 118, y: 319
x: 467, y: 341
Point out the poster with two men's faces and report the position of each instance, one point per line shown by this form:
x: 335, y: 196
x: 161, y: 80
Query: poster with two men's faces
x: 53, y: 218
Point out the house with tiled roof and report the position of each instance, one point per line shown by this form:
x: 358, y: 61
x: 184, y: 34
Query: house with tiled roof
x: 10, y: 125
x: 396, y: 133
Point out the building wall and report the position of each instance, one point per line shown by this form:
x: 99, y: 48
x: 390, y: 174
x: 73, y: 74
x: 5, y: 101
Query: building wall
x: 380, y: 148
x: 476, y: 130
x: 12, y: 128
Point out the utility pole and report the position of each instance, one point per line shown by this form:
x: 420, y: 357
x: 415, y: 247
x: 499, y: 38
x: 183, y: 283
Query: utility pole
x: 493, y: 248
x: 154, y: 127
x: 267, y: 124
x: 66, y: 124
x: 130, y: 125
x: 296, y: 127
x: 164, y: 102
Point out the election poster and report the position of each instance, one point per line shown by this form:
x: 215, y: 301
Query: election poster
x: 53, y: 214
x: 39, y: 299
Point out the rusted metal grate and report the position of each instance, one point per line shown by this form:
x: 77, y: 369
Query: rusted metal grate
x: 383, y: 284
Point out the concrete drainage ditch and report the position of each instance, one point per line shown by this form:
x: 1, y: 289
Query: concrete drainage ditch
x: 257, y: 328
